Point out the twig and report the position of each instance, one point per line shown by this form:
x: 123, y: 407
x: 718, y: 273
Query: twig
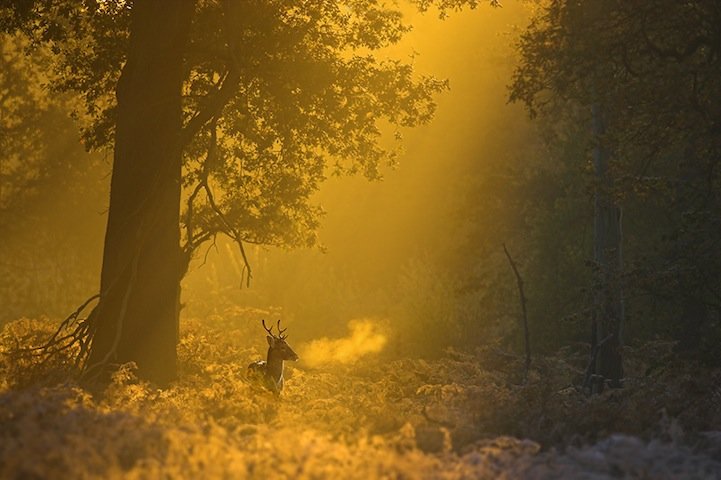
x: 522, y: 296
x: 58, y: 343
x: 71, y: 319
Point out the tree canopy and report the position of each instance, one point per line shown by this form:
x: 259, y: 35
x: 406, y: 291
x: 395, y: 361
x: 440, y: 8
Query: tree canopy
x: 296, y: 91
x: 654, y: 69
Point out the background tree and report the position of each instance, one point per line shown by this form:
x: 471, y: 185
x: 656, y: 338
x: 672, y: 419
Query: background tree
x: 655, y: 70
x: 51, y: 192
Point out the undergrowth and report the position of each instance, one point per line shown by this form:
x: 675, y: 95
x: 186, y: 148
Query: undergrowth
x: 465, y: 415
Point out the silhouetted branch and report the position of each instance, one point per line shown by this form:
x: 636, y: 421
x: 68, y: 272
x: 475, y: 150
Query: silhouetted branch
x: 231, y: 232
x: 203, y: 185
x: 60, y: 342
x: 70, y: 320
x: 522, y: 295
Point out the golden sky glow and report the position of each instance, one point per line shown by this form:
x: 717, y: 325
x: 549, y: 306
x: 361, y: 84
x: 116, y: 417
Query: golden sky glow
x: 373, y: 231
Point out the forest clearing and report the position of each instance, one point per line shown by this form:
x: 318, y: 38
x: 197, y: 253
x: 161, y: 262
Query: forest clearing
x: 363, y: 239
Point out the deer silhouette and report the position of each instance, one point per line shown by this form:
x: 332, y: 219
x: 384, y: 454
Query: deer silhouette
x: 270, y: 371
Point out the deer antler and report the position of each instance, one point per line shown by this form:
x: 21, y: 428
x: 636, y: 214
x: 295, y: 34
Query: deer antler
x: 269, y: 330
x: 280, y: 332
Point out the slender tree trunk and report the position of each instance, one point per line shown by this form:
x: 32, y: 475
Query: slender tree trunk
x: 137, y: 317
x: 608, y: 318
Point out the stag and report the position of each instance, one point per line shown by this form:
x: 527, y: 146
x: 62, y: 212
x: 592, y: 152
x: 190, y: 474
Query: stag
x: 271, y: 369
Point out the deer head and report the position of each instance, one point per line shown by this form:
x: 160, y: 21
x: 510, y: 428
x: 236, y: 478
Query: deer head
x: 277, y: 344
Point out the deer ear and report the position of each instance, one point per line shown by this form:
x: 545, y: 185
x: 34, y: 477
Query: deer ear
x: 270, y: 339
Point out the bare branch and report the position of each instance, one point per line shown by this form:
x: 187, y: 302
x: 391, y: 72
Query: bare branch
x: 231, y: 232
x: 203, y: 184
x: 522, y: 295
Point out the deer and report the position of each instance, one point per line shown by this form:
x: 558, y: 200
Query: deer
x: 271, y: 369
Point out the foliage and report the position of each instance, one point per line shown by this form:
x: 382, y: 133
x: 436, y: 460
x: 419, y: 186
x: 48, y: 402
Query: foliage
x: 50, y: 191
x: 292, y: 91
x: 654, y: 72
x: 24, y: 104
x: 531, y: 191
x: 455, y: 417
x: 428, y: 314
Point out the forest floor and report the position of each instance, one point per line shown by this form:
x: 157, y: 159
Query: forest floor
x: 462, y: 416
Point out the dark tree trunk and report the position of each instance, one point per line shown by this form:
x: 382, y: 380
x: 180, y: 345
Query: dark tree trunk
x: 608, y: 318
x: 137, y: 317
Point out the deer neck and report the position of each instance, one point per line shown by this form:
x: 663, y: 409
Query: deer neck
x: 274, y: 365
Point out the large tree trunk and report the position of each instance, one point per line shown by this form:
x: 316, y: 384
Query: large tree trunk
x: 609, y: 309
x: 137, y: 317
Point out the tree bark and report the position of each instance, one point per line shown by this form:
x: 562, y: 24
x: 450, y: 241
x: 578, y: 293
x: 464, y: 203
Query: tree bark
x: 137, y: 317
x: 608, y: 318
